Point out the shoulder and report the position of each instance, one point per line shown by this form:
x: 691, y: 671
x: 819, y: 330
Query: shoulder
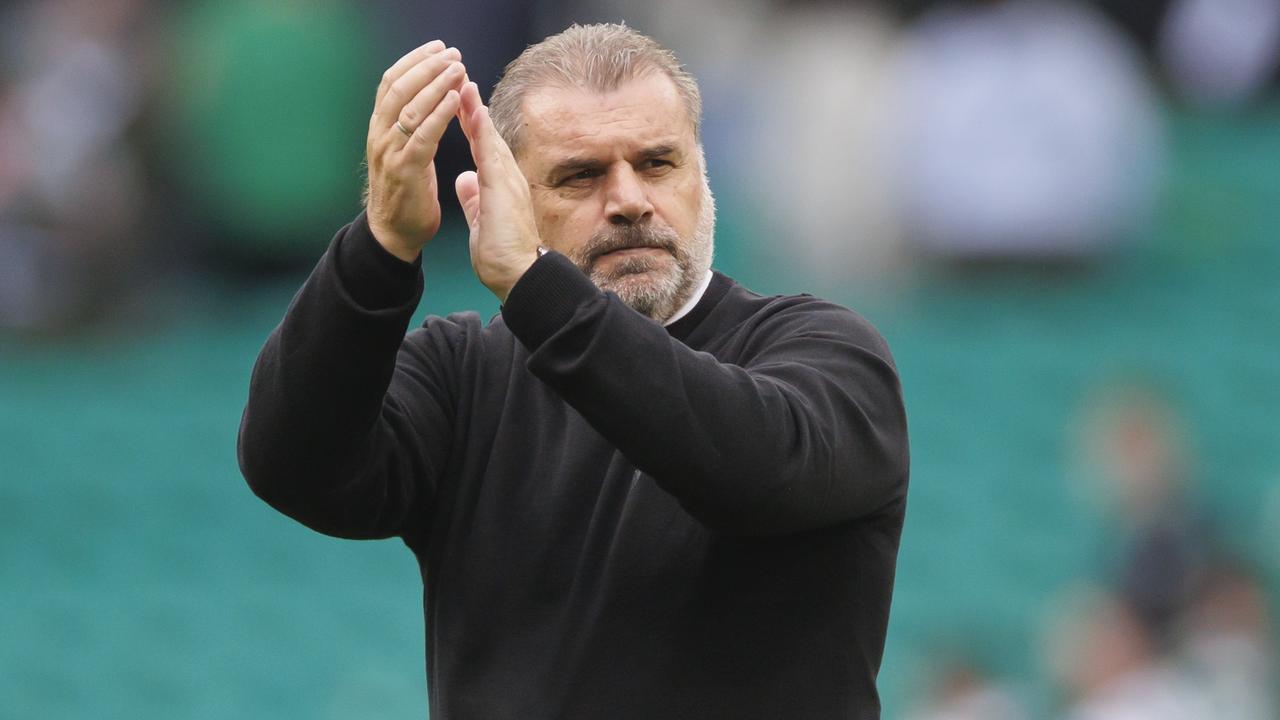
x: 769, y: 319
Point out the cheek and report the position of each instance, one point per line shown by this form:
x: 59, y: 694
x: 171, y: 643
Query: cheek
x: 560, y: 228
x: 683, y: 203
x: 549, y: 221
x: 548, y: 217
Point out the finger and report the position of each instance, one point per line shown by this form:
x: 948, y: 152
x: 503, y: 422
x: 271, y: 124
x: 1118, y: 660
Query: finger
x: 468, y: 188
x: 429, y: 98
x: 426, y: 139
x: 493, y: 158
x: 470, y: 101
x: 408, y: 85
x: 401, y: 66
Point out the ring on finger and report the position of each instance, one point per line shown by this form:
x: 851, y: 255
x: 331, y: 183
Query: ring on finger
x: 400, y: 126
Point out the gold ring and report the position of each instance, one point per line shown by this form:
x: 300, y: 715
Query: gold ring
x: 400, y: 126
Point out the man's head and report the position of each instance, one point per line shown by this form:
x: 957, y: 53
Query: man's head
x: 605, y: 126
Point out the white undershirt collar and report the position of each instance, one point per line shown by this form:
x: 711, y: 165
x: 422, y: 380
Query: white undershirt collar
x: 693, y: 300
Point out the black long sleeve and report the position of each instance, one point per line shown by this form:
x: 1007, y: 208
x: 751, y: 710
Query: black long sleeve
x: 805, y: 430
x: 321, y: 438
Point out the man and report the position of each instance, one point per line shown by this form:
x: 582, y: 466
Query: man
x: 641, y: 490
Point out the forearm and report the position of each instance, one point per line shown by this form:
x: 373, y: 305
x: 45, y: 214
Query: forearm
x: 811, y: 432
x: 311, y: 429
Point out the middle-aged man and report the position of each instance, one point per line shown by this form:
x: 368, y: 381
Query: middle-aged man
x: 641, y: 490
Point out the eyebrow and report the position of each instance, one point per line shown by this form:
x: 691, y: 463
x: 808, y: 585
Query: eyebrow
x: 585, y: 163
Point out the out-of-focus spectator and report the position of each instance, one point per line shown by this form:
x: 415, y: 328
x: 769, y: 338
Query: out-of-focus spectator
x: 73, y: 81
x: 962, y: 691
x: 820, y: 153
x: 1027, y: 129
x: 1111, y: 668
x: 1220, y: 52
x: 1230, y: 646
x: 1165, y: 546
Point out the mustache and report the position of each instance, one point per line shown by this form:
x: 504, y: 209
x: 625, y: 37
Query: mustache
x: 623, y: 237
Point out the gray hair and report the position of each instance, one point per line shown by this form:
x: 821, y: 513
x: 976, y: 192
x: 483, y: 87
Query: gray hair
x: 592, y: 57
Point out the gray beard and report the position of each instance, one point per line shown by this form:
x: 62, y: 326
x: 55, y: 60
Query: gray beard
x: 654, y: 287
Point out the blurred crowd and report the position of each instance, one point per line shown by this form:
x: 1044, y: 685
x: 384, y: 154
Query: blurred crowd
x: 138, y: 138
x: 142, y: 140
x: 1176, y: 626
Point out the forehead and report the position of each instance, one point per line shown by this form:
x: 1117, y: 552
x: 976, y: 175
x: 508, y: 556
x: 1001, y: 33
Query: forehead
x: 641, y: 112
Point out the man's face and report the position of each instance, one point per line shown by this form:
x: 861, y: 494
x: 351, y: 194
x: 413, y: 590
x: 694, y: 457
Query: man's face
x: 618, y: 186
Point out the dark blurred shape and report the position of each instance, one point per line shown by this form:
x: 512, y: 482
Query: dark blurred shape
x: 268, y: 107
x: 72, y: 184
x: 1140, y: 18
x: 1027, y: 130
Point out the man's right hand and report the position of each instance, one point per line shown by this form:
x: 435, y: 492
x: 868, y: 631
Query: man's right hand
x: 421, y: 92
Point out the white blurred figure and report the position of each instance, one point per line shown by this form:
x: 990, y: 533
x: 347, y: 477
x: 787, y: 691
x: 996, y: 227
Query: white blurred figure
x: 1104, y: 657
x: 1220, y: 52
x: 1230, y: 646
x: 820, y: 152
x: 1026, y: 129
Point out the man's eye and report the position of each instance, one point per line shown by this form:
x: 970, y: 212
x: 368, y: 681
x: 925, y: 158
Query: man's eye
x: 657, y: 163
x: 581, y: 177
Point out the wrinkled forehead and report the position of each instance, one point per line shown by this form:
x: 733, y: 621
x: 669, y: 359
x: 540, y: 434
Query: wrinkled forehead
x: 644, y: 111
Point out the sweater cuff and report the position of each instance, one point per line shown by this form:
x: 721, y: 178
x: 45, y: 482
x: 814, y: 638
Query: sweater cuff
x: 373, y: 277
x: 545, y: 299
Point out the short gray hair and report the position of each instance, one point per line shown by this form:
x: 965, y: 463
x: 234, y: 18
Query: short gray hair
x: 591, y: 57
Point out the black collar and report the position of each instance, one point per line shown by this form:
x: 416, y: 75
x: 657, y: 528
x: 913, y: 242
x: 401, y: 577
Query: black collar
x: 719, y: 285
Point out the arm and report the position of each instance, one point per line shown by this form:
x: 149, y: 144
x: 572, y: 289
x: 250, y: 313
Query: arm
x: 808, y: 431
x: 347, y: 427
x: 345, y: 430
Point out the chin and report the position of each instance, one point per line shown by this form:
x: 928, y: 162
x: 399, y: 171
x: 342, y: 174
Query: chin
x: 652, y: 292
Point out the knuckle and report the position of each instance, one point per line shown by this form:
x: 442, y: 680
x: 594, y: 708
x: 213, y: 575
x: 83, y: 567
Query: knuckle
x: 395, y: 93
x: 422, y: 141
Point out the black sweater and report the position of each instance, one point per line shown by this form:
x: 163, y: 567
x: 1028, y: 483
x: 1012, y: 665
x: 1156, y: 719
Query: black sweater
x: 613, y: 519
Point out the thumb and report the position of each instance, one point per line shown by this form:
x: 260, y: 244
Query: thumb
x: 468, y: 188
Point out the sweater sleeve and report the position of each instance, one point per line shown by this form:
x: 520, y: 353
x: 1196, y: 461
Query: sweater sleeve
x: 347, y: 425
x: 808, y: 431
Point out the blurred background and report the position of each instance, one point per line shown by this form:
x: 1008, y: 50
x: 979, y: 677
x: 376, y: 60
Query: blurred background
x: 1063, y: 215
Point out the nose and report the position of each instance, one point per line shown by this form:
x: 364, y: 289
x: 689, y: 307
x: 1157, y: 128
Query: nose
x: 626, y: 197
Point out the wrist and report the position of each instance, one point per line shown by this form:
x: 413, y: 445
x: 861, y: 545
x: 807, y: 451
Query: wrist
x: 397, y: 246
x: 514, y: 273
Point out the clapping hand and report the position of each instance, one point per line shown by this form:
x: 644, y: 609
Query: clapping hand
x: 416, y: 99
x: 496, y: 201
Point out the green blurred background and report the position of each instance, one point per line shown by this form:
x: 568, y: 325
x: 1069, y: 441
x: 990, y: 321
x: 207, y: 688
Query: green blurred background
x: 140, y: 578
